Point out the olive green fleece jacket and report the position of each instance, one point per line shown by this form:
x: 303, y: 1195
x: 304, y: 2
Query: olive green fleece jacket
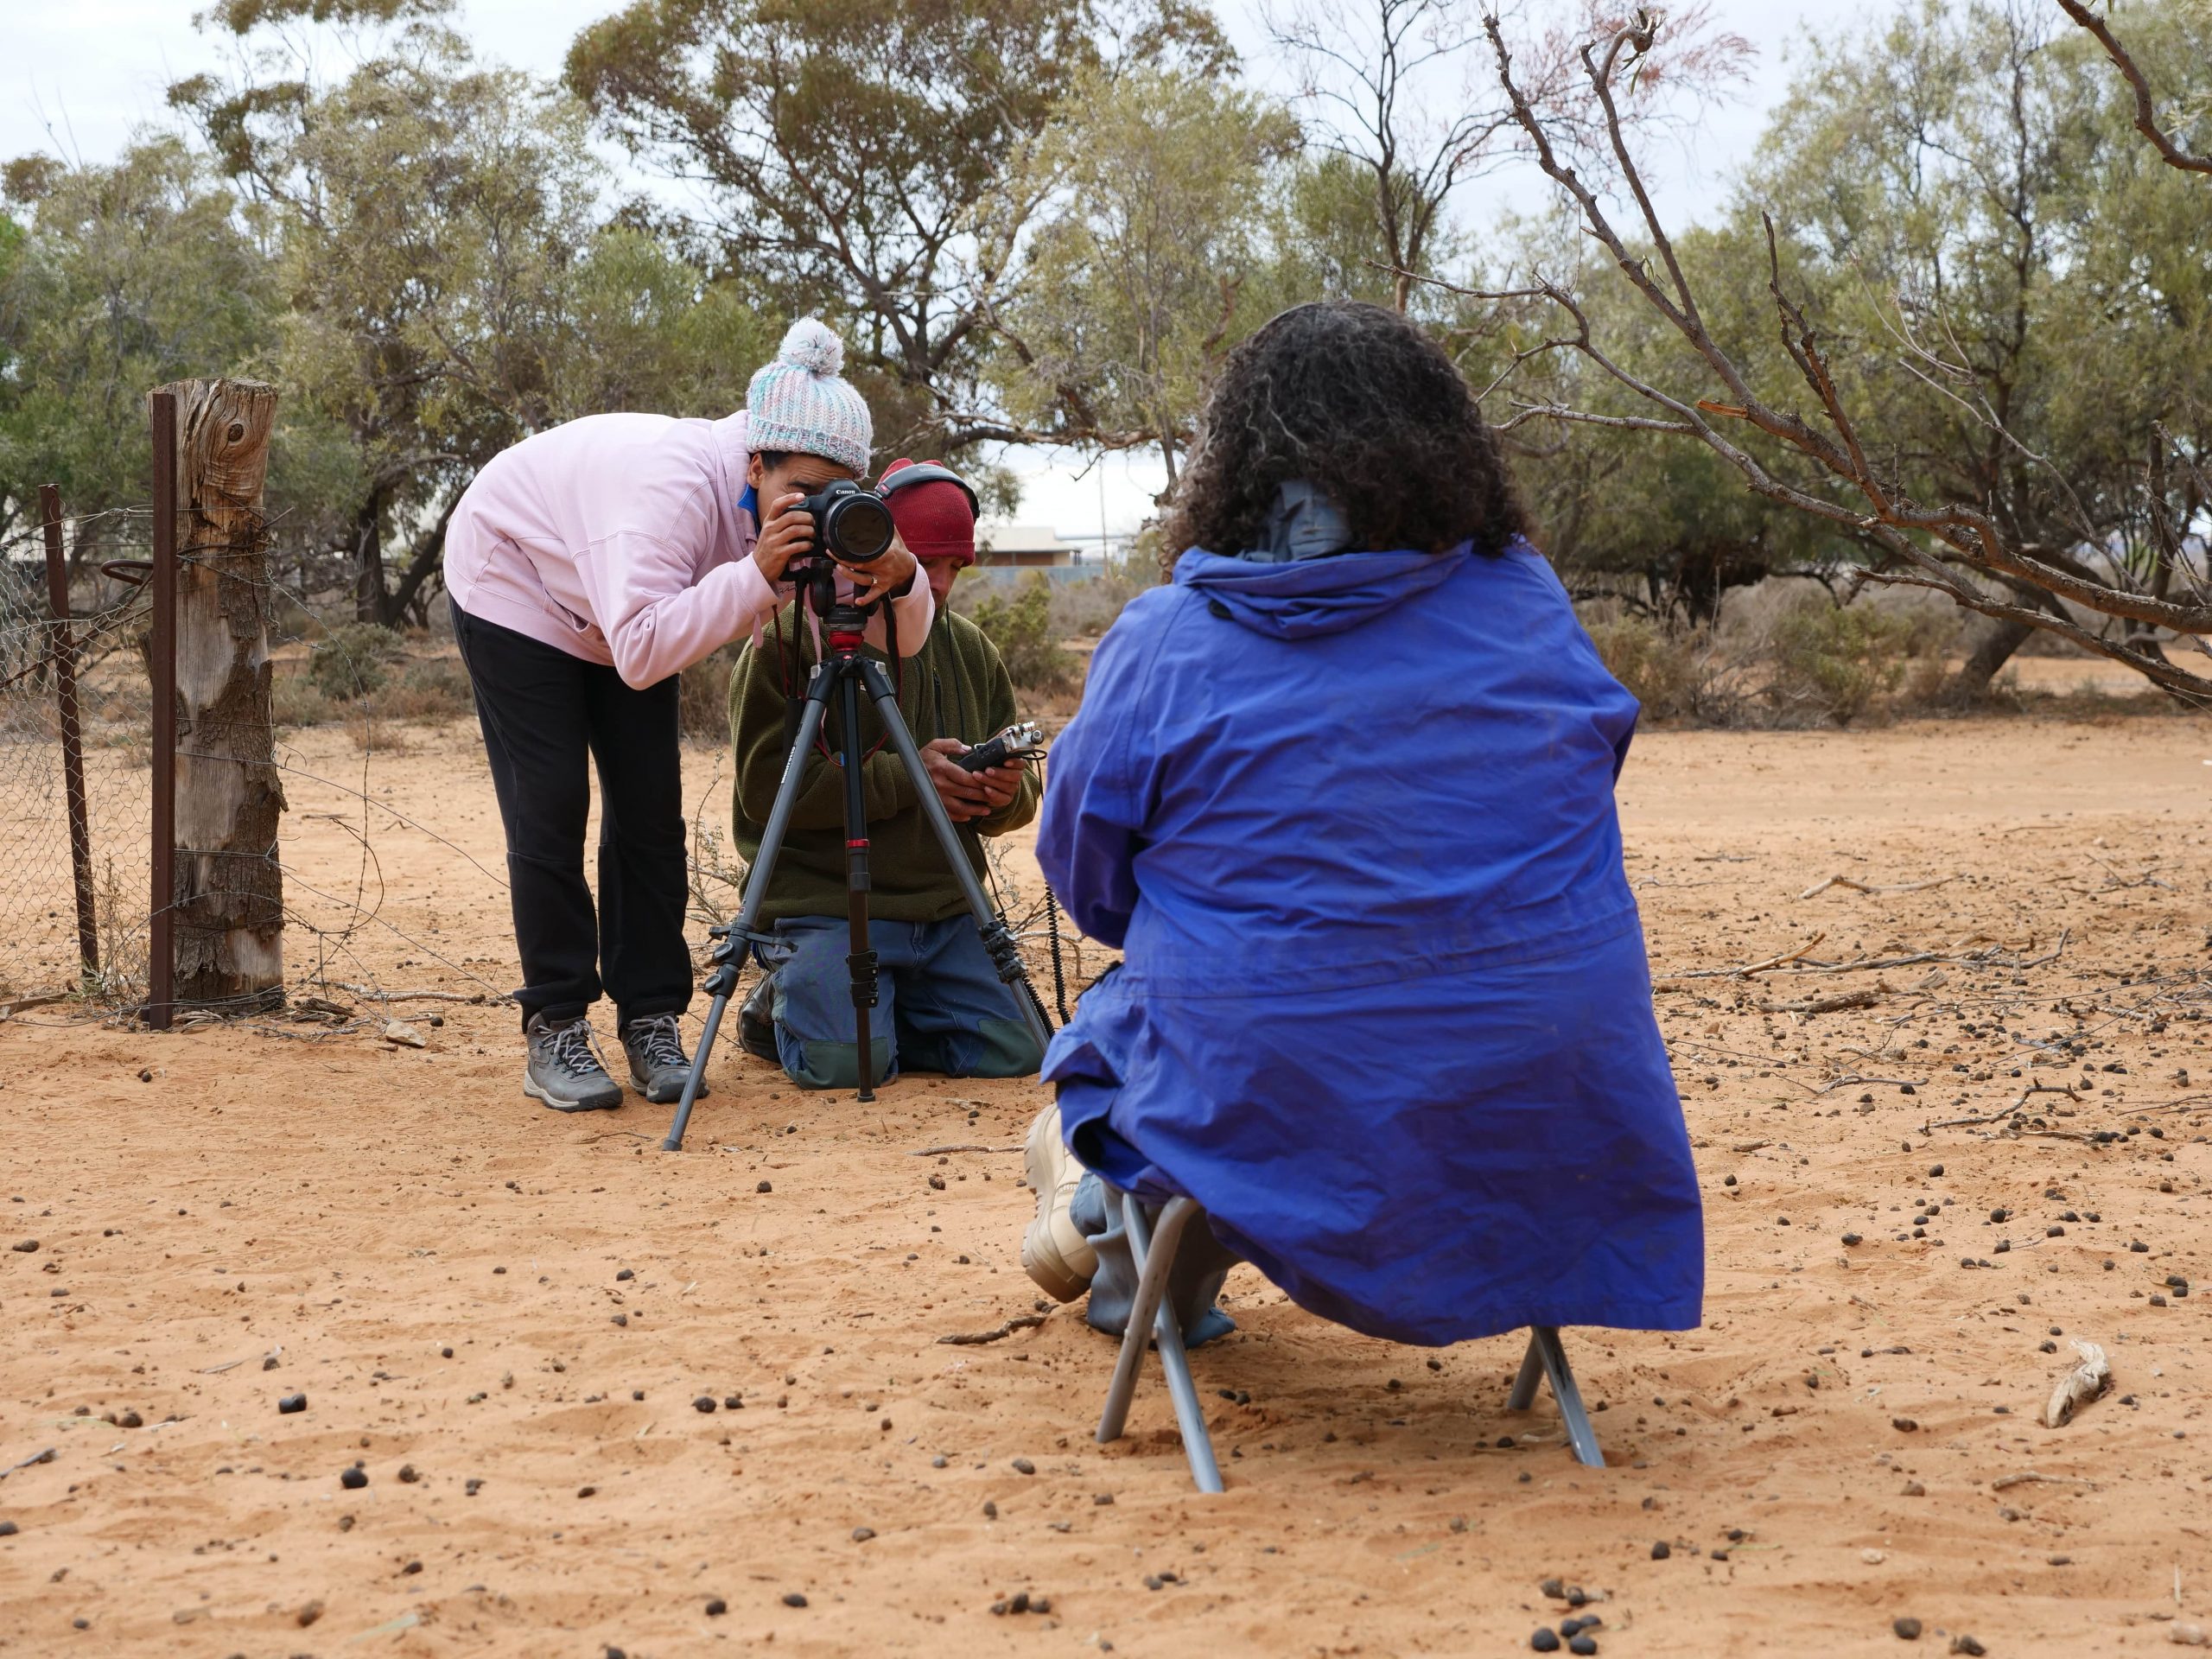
x: 955, y: 686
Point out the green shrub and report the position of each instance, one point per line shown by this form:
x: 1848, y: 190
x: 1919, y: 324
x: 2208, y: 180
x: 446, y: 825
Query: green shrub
x: 354, y: 659
x: 1021, y: 628
x: 1828, y: 663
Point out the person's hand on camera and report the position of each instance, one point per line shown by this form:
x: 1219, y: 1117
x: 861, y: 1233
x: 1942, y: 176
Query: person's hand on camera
x: 884, y: 575
x: 785, y: 536
x: 964, y: 793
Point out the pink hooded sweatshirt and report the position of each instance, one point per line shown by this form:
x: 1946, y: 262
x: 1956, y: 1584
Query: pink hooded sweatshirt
x: 625, y: 539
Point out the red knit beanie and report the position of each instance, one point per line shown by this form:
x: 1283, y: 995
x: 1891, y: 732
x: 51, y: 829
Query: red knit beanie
x: 934, y: 520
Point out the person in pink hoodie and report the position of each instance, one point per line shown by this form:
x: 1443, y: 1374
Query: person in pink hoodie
x: 588, y: 566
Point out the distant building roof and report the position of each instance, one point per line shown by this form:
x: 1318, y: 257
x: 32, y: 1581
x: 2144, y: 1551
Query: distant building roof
x: 1004, y: 539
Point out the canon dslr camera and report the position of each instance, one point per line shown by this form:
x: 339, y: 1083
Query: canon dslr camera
x: 851, y: 524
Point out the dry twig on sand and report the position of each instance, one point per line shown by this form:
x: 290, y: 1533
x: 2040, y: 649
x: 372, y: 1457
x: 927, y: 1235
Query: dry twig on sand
x: 1826, y: 1004
x: 2003, y: 1482
x: 1842, y: 881
x: 971, y: 1339
x: 936, y: 1152
x: 2014, y: 1110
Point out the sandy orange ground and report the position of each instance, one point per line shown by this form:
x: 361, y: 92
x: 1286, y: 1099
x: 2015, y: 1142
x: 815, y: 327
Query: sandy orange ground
x: 436, y: 1261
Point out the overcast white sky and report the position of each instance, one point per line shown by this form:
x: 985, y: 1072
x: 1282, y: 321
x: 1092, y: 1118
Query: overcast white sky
x: 81, y: 76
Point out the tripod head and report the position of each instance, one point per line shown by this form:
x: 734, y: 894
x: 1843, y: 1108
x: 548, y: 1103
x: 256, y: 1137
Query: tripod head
x: 844, y: 624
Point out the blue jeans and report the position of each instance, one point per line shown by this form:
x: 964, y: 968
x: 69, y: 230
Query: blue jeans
x: 940, y: 1005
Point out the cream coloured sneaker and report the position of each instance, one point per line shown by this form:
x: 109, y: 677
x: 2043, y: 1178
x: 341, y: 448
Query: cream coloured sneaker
x: 1053, y: 1254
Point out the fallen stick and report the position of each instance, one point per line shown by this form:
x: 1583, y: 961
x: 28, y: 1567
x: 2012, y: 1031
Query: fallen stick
x: 2079, y: 1386
x: 1825, y: 1004
x: 1840, y: 880
x: 2186, y: 1103
x: 2011, y: 1110
x: 367, y: 995
x: 2003, y: 1482
x: 971, y: 1339
x: 46, y: 1456
x: 1749, y: 968
x: 1850, y: 1079
x: 939, y: 1151
x: 9, y: 1010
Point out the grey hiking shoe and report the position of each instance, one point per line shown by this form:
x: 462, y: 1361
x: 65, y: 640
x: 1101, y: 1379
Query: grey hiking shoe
x: 564, y: 1070
x: 658, y: 1065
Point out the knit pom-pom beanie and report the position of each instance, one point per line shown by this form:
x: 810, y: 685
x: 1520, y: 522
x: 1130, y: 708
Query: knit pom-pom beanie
x: 800, y: 402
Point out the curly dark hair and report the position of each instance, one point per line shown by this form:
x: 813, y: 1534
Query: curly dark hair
x: 1361, y: 404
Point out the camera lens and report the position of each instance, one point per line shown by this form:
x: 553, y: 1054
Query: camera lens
x: 857, y: 528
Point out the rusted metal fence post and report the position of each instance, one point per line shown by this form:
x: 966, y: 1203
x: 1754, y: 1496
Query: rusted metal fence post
x: 161, y: 948
x: 72, y: 742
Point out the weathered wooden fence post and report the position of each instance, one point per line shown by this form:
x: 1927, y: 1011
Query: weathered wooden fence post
x: 227, y: 904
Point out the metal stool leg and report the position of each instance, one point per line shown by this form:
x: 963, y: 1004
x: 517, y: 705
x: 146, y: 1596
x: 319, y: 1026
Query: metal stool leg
x: 1544, y: 1343
x: 1150, y: 1317
x: 1524, y: 1386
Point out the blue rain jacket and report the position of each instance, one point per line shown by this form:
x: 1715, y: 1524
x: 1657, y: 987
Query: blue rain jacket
x: 1384, y: 1009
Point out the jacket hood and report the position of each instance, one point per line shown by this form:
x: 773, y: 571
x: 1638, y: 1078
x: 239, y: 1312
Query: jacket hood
x: 1310, y: 597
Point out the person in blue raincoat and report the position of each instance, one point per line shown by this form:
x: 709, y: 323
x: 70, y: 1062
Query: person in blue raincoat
x: 1342, y: 794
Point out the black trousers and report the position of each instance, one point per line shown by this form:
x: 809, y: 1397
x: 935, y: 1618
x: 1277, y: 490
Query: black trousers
x: 543, y: 713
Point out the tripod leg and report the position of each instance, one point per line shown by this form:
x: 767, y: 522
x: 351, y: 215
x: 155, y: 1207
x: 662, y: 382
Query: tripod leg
x: 861, y: 957
x: 998, y: 939
x: 756, y: 890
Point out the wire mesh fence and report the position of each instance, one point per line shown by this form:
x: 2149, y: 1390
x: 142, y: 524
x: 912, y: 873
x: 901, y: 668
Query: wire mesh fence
x: 40, y: 954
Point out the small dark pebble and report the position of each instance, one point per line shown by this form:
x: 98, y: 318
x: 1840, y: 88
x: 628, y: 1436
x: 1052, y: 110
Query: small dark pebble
x: 1023, y: 1467
x: 1555, y: 1588
x: 410, y: 1569
x: 990, y: 1511
x: 354, y: 1480
x: 1908, y: 1629
x: 792, y: 1599
x: 1903, y: 1425
x: 586, y: 1492
x: 767, y: 1187
x: 473, y: 1486
x: 1583, y: 1645
x: 1661, y: 1550
x: 1545, y: 1640
x: 292, y: 1402
x: 1934, y: 1170
x: 622, y: 1318
x: 1102, y: 1498
x: 27, y: 1247
x: 732, y: 1402
x: 1966, y: 1644
x: 1850, y: 1239
x: 862, y: 1534
x: 8, y: 1528
x: 717, y: 1607
x: 626, y: 1273
x: 705, y: 1402
x: 409, y: 1474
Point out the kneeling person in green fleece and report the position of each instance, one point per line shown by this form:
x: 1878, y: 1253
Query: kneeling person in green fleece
x: 941, y: 1006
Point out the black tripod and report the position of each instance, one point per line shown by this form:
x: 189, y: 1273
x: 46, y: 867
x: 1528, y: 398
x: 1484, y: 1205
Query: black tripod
x: 847, y: 672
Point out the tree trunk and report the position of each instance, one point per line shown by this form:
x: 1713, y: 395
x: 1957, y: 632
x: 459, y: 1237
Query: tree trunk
x: 369, y: 597
x: 229, y: 895
x: 1993, y: 648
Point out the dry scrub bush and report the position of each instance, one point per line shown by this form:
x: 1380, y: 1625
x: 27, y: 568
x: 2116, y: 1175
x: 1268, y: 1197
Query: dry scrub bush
x: 702, y: 697
x: 353, y: 660
x: 1022, y: 629
x: 1674, y: 675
